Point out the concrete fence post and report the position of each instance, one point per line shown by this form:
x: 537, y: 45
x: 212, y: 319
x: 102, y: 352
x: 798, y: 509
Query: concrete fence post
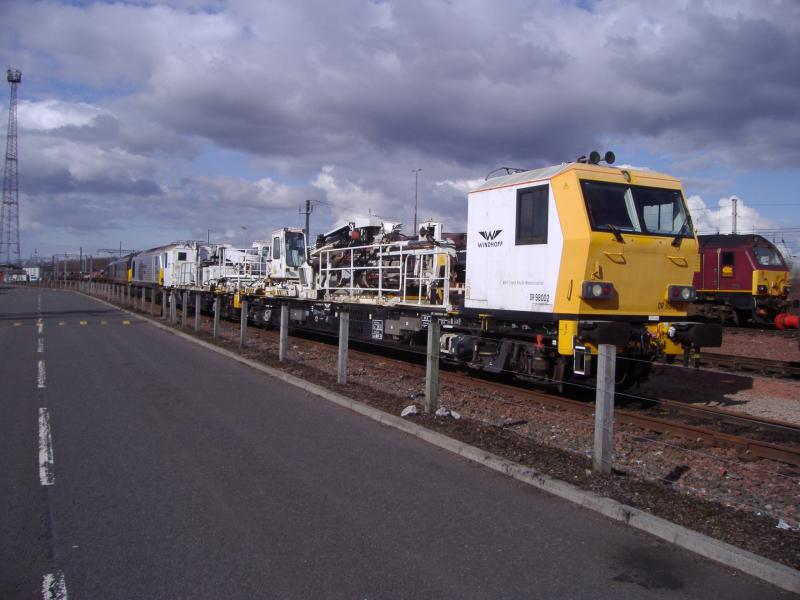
x: 197, y: 303
x: 164, y: 305
x: 283, y: 340
x: 153, y: 304
x: 242, y: 322
x: 603, y: 456
x: 217, y: 308
x: 344, y: 337
x: 432, y: 367
x: 144, y: 297
x: 185, y: 307
x: 173, y: 307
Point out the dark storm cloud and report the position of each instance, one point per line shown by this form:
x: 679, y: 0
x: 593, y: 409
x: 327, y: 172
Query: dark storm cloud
x: 715, y: 76
x: 459, y: 80
x: 468, y: 83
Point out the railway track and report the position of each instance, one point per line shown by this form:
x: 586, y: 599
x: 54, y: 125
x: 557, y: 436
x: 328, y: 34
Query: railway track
x: 751, y: 446
x: 751, y: 365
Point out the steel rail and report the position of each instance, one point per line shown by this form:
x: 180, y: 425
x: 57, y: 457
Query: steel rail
x: 748, y: 448
x: 751, y: 364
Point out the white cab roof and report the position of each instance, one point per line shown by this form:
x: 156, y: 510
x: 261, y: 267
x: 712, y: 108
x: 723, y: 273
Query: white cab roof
x: 520, y: 178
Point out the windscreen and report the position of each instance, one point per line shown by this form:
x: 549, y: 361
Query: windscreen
x: 295, y: 249
x: 768, y: 257
x: 636, y: 209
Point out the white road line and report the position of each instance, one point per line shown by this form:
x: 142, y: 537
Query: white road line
x: 40, y: 346
x: 41, y: 377
x: 40, y: 302
x: 46, y: 470
x: 54, y: 587
x: 40, y: 327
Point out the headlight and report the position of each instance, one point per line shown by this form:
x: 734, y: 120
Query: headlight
x: 762, y: 289
x: 597, y: 290
x: 681, y: 293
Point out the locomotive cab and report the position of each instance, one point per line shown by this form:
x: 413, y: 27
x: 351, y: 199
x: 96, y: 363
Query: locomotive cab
x: 741, y: 277
x: 178, y: 264
x: 287, y: 253
x: 580, y: 254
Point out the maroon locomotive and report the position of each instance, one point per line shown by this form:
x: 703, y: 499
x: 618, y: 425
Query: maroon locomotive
x: 741, y: 278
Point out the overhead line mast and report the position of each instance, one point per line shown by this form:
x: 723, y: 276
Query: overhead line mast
x: 9, y: 215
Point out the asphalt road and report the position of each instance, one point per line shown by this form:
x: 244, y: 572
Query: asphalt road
x: 175, y: 473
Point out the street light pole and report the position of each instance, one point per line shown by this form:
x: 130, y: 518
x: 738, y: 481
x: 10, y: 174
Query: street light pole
x: 416, y: 197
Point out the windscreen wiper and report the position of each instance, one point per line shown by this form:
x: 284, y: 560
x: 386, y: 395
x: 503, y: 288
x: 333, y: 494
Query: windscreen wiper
x: 616, y: 233
x: 676, y: 241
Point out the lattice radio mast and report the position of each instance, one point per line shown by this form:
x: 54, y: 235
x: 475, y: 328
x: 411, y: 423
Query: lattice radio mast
x: 9, y: 215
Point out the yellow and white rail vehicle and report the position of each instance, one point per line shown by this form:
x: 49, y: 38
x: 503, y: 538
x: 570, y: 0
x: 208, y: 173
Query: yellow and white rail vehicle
x: 555, y: 262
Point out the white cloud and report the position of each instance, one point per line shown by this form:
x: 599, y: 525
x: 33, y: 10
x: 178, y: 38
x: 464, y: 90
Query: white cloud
x: 55, y: 114
x: 719, y: 219
x: 462, y: 186
x: 348, y: 198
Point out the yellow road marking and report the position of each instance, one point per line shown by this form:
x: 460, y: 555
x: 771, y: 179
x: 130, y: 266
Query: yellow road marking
x: 126, y: 322
x: 17, y: 323
x: 103, y: 322
x: 84, y: 322
x: 61, y: 323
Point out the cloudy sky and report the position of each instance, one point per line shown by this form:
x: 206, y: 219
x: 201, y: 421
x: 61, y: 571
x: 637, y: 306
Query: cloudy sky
x: 146, y: 122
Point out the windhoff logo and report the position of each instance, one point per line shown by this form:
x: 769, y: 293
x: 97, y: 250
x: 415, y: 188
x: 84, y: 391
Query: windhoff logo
x: 491, y: 239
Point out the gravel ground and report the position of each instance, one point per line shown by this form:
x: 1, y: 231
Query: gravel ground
x: 748, y: 503
x: 764, y: 343
x: 765, y: 397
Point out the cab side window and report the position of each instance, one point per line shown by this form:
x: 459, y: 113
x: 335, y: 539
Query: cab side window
x: 726, y: 260
x: 276, y: 248
x: 532, y: 215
